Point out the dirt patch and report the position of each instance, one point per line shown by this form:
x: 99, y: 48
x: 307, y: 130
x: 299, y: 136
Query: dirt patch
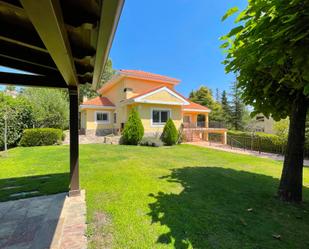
x: 100, y: 232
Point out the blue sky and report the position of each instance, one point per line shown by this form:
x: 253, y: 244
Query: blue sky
x: 178, y: 38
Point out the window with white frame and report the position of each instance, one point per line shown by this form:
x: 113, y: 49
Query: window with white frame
x: 159, y: 117
x: 115, y: 117
x: 102, y: 117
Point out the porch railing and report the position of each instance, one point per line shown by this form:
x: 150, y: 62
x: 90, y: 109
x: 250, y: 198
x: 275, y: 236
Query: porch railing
x: 203, y: 124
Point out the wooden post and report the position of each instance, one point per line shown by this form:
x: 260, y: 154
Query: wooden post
x: 74, y: 152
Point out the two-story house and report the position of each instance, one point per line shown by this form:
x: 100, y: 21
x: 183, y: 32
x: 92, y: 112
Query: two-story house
x: 156, y: 100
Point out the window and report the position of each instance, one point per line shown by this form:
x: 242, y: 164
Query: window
x: 260, y: 118
x: 102, y: 117
x: 159, y: 117
x: 115, y: 117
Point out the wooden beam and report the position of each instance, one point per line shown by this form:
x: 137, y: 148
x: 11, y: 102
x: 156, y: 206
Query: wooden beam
x: 31, y: 80
x: 46, y: 16
x: 74, y: 143
x: 16, y: 25
x: 110, y: 14
x: 28, y: 66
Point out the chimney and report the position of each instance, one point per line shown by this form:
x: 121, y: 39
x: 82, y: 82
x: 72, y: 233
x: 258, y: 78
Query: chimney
x: 85, y: 99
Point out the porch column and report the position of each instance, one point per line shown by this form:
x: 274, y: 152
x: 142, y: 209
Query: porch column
x: 74, y: 153
x: 224, y: 137
x: 206, y: 120
x: 206, y: 136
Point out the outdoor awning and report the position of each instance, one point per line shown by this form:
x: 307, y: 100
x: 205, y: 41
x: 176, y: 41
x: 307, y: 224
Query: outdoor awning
x: 62, y: 42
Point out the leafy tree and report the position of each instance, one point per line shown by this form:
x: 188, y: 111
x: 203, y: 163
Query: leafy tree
x: 170, y: 134
x: 281, y: 128
x: 133, y: 131
x: 50, y: 107
x: 269, y: 53
x: 86, y: 89
x: 203, y: 96
x: 19, y: 116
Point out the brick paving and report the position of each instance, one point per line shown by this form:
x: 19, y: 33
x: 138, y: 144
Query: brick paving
x: 54, y: 221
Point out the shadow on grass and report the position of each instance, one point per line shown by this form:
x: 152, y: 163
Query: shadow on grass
x: 29, y: 186
x: 224, y: 208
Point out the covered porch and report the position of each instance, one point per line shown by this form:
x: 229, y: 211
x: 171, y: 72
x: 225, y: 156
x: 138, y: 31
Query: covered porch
x: 197, y: 127
x: 55, y: 44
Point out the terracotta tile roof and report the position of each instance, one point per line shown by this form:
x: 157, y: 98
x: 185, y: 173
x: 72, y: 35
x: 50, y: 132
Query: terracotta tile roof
x: 99, y: 101
x: 147, y: 75
x: 195, y: 106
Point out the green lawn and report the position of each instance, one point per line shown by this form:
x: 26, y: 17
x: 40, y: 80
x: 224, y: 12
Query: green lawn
x: 169, y: 197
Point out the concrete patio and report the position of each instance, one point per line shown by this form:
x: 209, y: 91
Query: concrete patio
x: 54, y: 221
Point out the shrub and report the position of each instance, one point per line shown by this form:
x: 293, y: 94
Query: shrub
x: 151, y: 141
x: 133, y: 131
x: 41, y: 136
x: 19, y: 117
x: 260, y: 141
x: 170, y: 133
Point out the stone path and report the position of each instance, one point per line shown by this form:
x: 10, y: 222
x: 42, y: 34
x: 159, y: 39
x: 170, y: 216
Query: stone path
x: 228, y: 148
x: 54, y: 221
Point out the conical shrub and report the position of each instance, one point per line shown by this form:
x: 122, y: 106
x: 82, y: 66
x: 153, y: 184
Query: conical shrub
x: 133, y: 131
x: 170, y: 133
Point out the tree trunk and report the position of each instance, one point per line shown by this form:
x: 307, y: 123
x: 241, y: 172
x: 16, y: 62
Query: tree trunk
x: 290, y: 188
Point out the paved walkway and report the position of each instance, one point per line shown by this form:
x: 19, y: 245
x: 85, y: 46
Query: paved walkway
x: 228, y: 148
x: 54, y: 221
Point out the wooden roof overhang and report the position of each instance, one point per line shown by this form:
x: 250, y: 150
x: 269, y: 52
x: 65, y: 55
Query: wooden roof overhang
x: 63, y: 43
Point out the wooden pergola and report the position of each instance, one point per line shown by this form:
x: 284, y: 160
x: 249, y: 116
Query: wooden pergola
x: 63, y: 43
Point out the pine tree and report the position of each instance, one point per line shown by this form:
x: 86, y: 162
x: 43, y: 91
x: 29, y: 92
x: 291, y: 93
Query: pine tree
x: 217, y: 95
x: 237, y: 109
x: 226, y: 108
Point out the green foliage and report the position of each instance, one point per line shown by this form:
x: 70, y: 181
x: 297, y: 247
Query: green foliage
x: 230, y: 12
x: 226, y: 109
x: 281, y: 128
x: 258, y: 141
x: 50, y: 107
x: 151, y: 141
x: 170, y: 134
x: 41, y: 136
x: 238, y: 110
x: 86, y: 89
x: 19, y: 117
x: 269, y: 53
x: 133, y: 131
x: 203, y: 96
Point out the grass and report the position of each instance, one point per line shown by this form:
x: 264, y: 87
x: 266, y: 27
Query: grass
x: 169, y: 197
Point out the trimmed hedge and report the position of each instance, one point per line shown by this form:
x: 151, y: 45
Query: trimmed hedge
x: 41, y: 136
x: 260, y: 141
